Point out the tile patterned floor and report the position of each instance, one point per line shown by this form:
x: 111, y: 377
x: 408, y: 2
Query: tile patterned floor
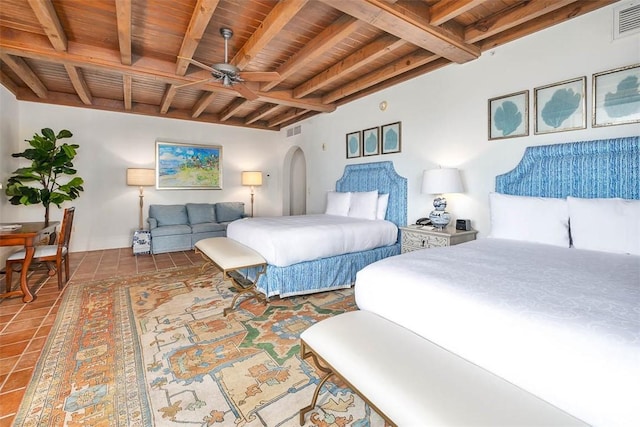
x: 24, y: 327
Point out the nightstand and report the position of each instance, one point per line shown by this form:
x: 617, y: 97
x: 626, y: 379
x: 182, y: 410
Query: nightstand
x: 415, y: 237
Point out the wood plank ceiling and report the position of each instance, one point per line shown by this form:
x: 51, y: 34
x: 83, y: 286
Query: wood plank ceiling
x: 134, y: 56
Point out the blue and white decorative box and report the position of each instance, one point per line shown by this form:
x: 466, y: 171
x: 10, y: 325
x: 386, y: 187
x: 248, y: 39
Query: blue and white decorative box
x: 141, y: 242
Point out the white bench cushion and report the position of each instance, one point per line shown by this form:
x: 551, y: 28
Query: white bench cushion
x: 415, y: 382
x: 229, y: 254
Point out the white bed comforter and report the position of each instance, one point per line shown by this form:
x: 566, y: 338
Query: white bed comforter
x: 563, y: 324
x: 288, y: 240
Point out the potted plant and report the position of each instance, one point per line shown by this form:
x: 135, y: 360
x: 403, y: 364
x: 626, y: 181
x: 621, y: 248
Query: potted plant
x: 51, y: 164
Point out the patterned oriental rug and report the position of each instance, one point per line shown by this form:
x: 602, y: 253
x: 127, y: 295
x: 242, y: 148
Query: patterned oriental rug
x: 155, y: 350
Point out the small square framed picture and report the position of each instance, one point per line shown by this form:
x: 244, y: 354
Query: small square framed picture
x: 354, y: 144
x: 616, y: 96
x: 371, y: 141
x: 560, y: 106
x: 509, y: 115
x: 391, y: 138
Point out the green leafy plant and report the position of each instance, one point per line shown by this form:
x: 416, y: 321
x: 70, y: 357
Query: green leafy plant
x: 51, y: 164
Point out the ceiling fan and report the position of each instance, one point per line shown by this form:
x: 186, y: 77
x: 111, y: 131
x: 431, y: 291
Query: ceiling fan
x: 230, y: 75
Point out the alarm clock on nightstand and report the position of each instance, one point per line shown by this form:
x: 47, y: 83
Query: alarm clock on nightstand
x: 463, y: 224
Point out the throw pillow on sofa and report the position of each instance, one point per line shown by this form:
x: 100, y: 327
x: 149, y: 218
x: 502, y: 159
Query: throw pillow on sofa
x: 169, y: 214
x: 229, y: 211
x: 200, y: 213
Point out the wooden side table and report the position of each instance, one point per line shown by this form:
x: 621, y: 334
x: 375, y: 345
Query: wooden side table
x: 417, y: 237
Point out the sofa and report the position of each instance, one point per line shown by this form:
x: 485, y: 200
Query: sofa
x: 179, y: 227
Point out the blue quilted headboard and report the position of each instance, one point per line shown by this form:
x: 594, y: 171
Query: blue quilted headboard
x: 379, y: 176
x: 591, y: 169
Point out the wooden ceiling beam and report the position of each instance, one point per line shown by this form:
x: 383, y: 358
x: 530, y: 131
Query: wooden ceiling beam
x: 332, y: 35
x: 556, y: 17
x: 275, y: 21
x: 8, y: 83
x: 446, y: 10
x: 200, y: 18
x: 26, y: 74
x: 123, y: 18
x: 93, y: 57
x: 167, y: 98
x: 48, y: 18
x: 202, y: 104
x: 516, y: 15
x: 143, y: 109
x: 286, y: 116
x: 408, y: 26
x: 360, y: 58
x: 231, y: 109
x: 127, y: 84
x: 402, y: 65
x: 79, y: 83
x: 260, y: 113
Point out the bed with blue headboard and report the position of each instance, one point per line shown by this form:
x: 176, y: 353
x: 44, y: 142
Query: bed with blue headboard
x: 549, y: 301
x: 339, y: 271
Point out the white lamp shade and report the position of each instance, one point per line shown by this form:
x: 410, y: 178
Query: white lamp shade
x: 141, y: 177
x: 440, y: 181
x: 253, y: 178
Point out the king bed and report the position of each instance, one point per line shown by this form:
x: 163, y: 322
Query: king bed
x: 313, y: 253
x: 550, y: 300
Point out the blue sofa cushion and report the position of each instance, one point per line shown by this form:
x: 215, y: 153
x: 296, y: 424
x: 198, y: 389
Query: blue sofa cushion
x: 229, y: 211
x: 170, y: 230
x: 200, y: 213
x: 169, y: 214
x: 208, y: 227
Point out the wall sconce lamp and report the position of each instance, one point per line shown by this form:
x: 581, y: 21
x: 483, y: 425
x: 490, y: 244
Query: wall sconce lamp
x: 440, y: 181
x: 141, y: 178
x: 254, y: 179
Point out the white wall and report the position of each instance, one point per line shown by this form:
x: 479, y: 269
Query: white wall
x: 107, y: 211
x: 444, y: 115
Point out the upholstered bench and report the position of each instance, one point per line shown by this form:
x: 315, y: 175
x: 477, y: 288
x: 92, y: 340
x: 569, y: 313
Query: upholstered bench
x: 412, y: 382
x: 231, y: 256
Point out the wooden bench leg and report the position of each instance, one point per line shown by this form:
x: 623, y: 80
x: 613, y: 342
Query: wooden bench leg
x: 328, y: 374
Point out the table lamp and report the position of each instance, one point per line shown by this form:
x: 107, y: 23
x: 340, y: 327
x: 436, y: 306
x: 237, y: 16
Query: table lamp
x: 440, y: 181
x: 141, y: 178
x: 254, y: 179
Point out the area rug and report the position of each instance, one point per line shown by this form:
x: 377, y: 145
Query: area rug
x: 155, y: 350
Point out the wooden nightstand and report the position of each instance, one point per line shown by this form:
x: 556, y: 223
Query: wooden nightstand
x: 414, y: 237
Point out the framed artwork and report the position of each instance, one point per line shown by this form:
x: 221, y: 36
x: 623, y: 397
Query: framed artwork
x: 188, y: 166
x: 616, y: 96
x: 509, y: 115
x: 354, y: 144
x: 391, y: 138
x: 560, y: 106
x: 370, y: 141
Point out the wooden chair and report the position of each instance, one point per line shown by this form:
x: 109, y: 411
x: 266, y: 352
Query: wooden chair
x: 48, y: 253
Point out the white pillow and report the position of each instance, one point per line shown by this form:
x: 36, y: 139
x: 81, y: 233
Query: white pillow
x: 364, y: 204
x: 608, y: 225
x: 338, y: 203
x: 383, y: 201
x: 530, y: 219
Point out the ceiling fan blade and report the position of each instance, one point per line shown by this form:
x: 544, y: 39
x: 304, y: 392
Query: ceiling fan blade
x: 245, y: 91
x: 199, y: 82
x: 260, y: 76
x: 198, y: 64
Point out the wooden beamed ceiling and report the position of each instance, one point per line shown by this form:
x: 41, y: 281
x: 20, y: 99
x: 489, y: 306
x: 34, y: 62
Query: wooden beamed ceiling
x: 140, y: 56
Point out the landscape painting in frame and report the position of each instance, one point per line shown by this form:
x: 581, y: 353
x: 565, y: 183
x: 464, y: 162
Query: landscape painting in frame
x: 188, y: 166
x: 560, y: 106
x: 616, y: 96
x: 509, y: 115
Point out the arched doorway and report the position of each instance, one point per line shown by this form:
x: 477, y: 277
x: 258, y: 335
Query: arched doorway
x: 294, y: 188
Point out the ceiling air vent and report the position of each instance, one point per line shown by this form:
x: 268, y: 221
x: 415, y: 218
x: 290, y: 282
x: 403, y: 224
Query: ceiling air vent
x: 626, y: 19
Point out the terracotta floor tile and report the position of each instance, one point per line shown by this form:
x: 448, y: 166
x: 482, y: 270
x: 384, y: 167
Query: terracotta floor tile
x: 11, y: 401
x: 17, y: 379
x: 22, y: 325
x: 21, y: 335
x: 36, y: 344
x: 13, y: 349
x: 28, y: 360
x: 8, y: 363
x: 43, y: 331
